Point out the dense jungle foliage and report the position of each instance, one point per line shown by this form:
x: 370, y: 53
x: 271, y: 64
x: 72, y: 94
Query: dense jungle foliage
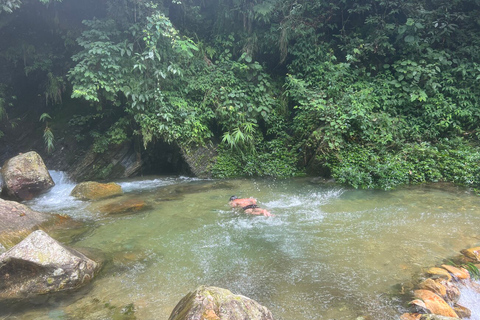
x: 373, y: 93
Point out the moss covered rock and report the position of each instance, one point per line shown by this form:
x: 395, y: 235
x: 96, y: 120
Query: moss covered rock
x: 212, y: 303
x: 92, y: 190
x: 25, y: 176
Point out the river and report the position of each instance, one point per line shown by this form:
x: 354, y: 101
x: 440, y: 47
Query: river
x: 328, y: 253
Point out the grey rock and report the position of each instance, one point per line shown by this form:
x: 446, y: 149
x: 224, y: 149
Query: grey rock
x: 40, y: 265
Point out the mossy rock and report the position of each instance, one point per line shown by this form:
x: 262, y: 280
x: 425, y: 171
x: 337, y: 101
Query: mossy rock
x: 212, y: 303
x: 200, y: 159
x: 92, y: 190
x: 25, y: 176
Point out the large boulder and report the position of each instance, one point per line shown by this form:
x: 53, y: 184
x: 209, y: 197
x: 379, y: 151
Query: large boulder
x: 25, y: 176
x: 17, y: 221
x: 92, y: 190
x: 40, y: 265
x: 212, y: 303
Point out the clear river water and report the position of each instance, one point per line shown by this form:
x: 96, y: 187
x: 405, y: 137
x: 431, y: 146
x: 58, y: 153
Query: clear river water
x: 328, y: 253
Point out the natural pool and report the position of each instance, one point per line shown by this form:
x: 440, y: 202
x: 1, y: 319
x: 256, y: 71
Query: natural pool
x: 329, y: 253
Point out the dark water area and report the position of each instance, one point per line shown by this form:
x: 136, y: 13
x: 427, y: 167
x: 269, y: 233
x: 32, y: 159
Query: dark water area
x: 328, y: 253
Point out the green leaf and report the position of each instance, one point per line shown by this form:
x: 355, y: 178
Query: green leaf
x: 44, y: 117
x: 409, y: 39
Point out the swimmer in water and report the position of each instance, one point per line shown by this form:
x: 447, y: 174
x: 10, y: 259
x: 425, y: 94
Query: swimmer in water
x: 249, y: 206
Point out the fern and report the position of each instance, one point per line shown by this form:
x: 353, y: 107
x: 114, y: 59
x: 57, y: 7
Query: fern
x: 47, y: 133
x: 48, y: 139
x: 44, y: 117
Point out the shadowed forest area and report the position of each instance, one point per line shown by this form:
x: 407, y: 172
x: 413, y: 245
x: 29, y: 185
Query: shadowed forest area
x: 372, y: 93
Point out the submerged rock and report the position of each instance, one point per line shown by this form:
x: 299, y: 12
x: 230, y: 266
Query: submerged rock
x: 39, y: 265
x: 25, y: 176
x: 119, y: 206
x: 126, y: 206
x: 212, y: 303
x: 92, y: 190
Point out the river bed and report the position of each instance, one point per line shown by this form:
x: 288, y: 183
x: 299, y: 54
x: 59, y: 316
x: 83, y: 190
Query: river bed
x: 328, y: 253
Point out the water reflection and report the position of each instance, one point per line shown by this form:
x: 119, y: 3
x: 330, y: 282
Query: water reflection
x: 329, y: 253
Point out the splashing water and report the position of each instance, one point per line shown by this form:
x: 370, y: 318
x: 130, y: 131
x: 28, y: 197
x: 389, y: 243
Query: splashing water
x: 470, y: 298
x: 58, y: 199
x: 143, y: 185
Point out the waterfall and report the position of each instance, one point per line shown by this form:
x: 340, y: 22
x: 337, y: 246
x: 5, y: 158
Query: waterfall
x: 58, y: 199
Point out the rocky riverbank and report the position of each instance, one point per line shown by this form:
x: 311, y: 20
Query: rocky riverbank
x: 437, y: 295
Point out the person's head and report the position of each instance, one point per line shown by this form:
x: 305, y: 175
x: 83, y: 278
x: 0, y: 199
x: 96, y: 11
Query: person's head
x: 233, y: 198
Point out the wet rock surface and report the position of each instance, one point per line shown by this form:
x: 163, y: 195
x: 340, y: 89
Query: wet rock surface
x: 434, y: 303
x: 17, y: 221
x: 459, y: 273
x: 92, y: 190
x: 118, y: 205
x: 25, y: 176
x: 40, y: 265
x: 437, y: 296
x: 212, y: 303
x: 472, y: 254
